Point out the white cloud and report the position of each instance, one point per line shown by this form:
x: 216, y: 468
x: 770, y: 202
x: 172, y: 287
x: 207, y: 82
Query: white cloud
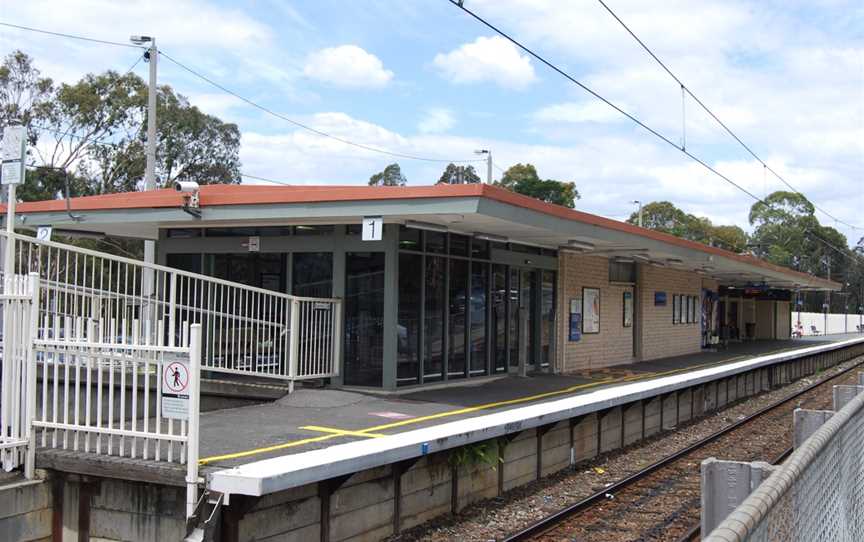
x: 347, y: 66
x: 436, y: 120
x: 487, y: 59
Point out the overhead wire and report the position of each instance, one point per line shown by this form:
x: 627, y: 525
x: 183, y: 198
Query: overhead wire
x: 685, y: 88
x: 244, y: 99
x: 603, y: 99
x: 306, y: 127
x: 71, y: 36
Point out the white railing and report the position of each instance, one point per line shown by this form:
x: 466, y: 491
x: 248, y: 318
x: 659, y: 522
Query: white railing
x: 107, y: 399
x: 246, y: 330
x: 16, y: 394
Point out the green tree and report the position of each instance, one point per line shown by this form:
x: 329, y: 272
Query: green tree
x: 454, y: 174
x: 523, y: 179
x: 666, y: 217
x: 391, y: 176
x: 95, y: 131
x: 24, y: 93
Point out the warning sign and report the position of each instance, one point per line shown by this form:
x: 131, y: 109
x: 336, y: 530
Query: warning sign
x: 175, y: 389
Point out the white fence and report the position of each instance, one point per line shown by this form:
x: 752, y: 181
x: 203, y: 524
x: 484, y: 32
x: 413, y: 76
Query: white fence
x: 18, y: 390
x: 246, y: 330
x: 816, y: 495
x: 837, y: 323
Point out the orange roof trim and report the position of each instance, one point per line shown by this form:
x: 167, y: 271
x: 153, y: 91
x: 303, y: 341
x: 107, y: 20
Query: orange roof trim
x: 215, y: 195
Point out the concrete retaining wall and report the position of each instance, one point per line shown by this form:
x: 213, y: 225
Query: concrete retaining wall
x: 376, y: 503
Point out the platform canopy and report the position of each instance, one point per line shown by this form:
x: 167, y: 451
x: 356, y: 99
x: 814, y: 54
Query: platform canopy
x: 481, y: 210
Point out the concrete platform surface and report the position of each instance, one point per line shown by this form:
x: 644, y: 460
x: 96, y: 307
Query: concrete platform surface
x: 311, y: 419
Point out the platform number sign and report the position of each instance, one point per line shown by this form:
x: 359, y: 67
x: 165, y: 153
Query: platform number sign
x: 373, y: 227
x: 175, y: 389
x: 43, y: 233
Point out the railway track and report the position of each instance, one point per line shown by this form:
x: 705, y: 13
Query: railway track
x: 662, y: 501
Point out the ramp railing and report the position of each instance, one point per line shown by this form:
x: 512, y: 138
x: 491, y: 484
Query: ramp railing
x: 245, y: 330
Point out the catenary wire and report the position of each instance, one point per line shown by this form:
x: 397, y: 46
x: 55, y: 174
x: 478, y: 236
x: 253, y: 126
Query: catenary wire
x: 704, y: 107
x: 600, y: 97
x: 97, y: 141
x: 242, y: 98
x: 71, y: 36
x: 302, y: 125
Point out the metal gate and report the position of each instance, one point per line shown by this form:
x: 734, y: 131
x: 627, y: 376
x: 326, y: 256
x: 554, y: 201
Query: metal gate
x: 17, y: 395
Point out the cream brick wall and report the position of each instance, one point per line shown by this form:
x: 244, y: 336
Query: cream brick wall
x: 614, y: 344
x: 660, y: 337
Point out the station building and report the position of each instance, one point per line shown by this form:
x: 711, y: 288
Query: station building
x: 466, y: 281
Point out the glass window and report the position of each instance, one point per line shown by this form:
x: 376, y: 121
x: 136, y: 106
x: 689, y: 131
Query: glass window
x: 479, y: 285
x: 409, y: 238
x: 622, y: 272
x: 184, y: 262
x: 313, y: 230
x: 364, y: 318
x: 408, y: 325
x: 459, y: 244
x: 312, y: 274
x: 231, y: 232
x: 458, y: 312
x: 547, y: 317
x: 354, y: 229
x: 436, y: 242
x: 498, y: 325
x: 183, y: 233
x: 480, y: 249
x: 436, y: 300
x: 524, y: 249
x: 529, y: 303
x: 259, y: 269
x: 513, y: 301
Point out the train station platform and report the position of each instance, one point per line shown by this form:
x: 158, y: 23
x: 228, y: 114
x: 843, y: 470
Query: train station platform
x: 314, y: 419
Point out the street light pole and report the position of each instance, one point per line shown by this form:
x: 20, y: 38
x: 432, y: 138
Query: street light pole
x: 152, y: 56
x: 639, y: 203
x: 488, y: 154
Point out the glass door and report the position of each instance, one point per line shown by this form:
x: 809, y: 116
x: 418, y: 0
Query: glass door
x: 364, y: 318
x: 529, y: 298
x: 498, y: 325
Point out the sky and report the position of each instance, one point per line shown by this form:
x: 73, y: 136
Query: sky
x: 422, y: 78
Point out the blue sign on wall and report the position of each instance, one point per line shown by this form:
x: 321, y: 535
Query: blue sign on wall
x: 659, y: 299
x: 575, y: 326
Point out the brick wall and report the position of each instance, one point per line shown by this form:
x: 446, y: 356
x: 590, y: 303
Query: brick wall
x: 614, y: 344
x: 660, y: 337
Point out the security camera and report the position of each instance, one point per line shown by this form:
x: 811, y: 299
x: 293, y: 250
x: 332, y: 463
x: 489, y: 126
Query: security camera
x: 188, y: 187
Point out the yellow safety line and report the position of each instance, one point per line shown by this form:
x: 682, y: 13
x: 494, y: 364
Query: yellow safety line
x: 342, y: 432
x: 368, y: 432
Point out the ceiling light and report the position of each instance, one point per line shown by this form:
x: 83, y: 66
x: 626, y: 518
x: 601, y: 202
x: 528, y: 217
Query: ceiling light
x: 623, y: 259
x: 674, y: 261
x: 655, y: 263
x: 490, y: 237
x: 584, y: 245
x: 642, y: 257
x: 417, y: 225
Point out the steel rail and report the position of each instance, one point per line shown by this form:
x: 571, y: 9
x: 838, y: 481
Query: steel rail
x: 551, y: 522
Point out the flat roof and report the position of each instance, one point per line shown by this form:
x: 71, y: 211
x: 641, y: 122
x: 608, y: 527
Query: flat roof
x: 463, y: 208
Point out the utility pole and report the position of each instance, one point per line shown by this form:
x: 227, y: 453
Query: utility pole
x: 152, y: 56
x: 488, y: 154
x: 827, y: 304
x: 639, y: 203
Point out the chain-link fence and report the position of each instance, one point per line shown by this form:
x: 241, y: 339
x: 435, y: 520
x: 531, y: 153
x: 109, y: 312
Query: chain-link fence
x: 816, y: 495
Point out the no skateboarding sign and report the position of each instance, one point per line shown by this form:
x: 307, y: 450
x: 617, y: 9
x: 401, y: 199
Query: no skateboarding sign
x: 175, y: 389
